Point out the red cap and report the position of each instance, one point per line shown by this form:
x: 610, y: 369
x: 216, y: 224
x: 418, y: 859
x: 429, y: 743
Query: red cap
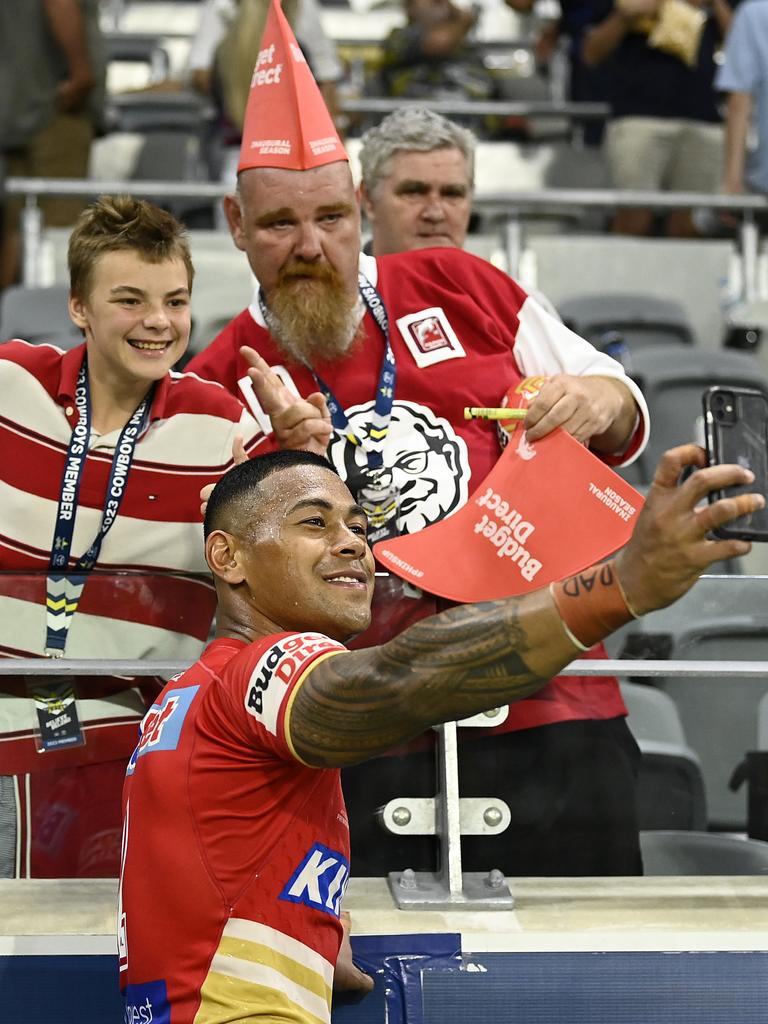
x: 287, y: 123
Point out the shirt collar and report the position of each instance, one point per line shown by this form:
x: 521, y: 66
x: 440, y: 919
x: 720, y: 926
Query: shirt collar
x: 71, y: 362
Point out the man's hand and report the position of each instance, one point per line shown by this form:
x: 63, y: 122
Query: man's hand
x: 72, y: 93
x: 300, y: 423
x: 347, y: 977
x: 670, y: 547
x: 596, y: 410
x: 238, y: 455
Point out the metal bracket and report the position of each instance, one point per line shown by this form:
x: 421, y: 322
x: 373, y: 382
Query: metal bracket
x: 442, y: 816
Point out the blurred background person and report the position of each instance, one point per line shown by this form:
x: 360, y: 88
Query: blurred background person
x: 417, y: 183
x: 431, y: 56
x: 417, y: 180
x: 744, y: 76
x: 52, y: 69
x: 665, y: 130
x: 223, y: 53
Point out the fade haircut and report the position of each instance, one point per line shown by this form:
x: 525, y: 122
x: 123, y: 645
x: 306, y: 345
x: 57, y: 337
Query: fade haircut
x: 242, y: 483
x: 406, y: 130
x: 119, y: 224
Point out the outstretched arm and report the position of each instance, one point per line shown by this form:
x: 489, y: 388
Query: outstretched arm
x: 474, y: 657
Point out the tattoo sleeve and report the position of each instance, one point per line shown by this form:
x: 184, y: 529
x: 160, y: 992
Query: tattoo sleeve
x: 446, y: 667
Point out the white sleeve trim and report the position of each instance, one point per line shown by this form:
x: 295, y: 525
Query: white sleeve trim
x: 544, y: 347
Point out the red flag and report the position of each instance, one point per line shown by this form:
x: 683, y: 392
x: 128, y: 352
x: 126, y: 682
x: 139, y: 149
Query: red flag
x: 546, y: 510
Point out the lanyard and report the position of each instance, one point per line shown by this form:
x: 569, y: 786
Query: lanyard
x: 373, y: 444
x: 64, y: 589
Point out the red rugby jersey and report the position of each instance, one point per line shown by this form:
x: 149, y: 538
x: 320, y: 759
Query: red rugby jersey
x: 235, y: 853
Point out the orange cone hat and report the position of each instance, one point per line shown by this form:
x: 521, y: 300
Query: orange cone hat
x: 287, y: 123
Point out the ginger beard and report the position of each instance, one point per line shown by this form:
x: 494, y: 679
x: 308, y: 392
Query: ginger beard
x: 312, y: 314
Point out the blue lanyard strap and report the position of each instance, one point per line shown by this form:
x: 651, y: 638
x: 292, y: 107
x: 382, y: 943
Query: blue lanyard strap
x: 373, y: 443
x: 64, y: 588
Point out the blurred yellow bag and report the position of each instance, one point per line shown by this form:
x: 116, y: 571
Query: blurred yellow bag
x: 678, y: 30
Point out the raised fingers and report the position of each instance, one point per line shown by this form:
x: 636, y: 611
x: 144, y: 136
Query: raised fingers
x: 727, y: 509
x: 715, y: 478
x: 674, y: 461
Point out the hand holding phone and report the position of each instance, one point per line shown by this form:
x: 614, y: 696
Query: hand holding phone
x: 736, y: 429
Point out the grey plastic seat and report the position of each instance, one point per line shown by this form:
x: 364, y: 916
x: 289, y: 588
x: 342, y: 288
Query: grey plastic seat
x: 641, y: 319
x: 722, y: 618
x: 762, y: 723
x: 672, y: 378
x: 38, y: 315
x: 157, y: 111
x: 671, y: 783
x: 702, y: 853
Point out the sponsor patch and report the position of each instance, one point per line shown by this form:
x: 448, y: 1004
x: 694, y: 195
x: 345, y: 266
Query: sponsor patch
x: 146, y: 1004
x: 162, y: 724
x: 319, y: 881
x: 429, y: 337
x: 277, y: 670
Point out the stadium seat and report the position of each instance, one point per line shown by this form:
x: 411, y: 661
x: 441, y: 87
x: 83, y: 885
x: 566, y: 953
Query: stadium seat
x: 38, y: 315
x: 702, y: 853
x: 672, y: 378
x: 723, y: 618
x: 135, y: 60
x: 762, y: 724
x: 670, y: 783
x: 642, y: 319
x: 158, y: 111
x: 691, y: 272
x: 223, y: 285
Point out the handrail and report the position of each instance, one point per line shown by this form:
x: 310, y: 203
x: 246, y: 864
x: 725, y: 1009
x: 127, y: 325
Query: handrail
x: 544, y: 198
x: 583, y: 667
x: 480, y: 108
x: 507, y: 204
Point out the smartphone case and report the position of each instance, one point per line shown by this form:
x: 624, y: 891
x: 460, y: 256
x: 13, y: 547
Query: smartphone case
x: 736, y: 429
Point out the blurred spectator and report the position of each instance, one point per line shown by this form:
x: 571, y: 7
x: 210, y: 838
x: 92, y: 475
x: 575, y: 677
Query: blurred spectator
x: 224, y: 50
x: 100, y: 446
x: 744, y: 75
x: 51, y: 99
x: 430, y: 58
x: 417, y: 181
x: 418, y: 178
x: 584, y: 84
x: 665, y: 131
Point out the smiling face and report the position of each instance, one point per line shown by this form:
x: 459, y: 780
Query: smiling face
x: 304, y: 556
x: 136, y: 318
x: 425, y: 200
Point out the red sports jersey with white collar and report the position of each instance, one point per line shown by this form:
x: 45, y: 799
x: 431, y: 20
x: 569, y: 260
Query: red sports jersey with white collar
x: 235, y: 853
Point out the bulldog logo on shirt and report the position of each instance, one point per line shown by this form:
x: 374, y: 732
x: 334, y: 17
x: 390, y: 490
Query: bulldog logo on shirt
x: 425, y: 462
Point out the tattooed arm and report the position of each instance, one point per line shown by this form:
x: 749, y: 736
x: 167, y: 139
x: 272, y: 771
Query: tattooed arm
x: 474, y: 657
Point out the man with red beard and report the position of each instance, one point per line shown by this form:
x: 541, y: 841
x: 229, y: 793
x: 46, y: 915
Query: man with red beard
x: 356, y: 354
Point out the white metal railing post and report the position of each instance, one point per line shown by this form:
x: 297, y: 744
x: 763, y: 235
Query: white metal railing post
x: 750, y: 240
x: 31, y: 240
x: 447, y: 816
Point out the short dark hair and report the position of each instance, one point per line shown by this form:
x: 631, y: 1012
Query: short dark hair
x: 120, y: 223
x: 244, y: 480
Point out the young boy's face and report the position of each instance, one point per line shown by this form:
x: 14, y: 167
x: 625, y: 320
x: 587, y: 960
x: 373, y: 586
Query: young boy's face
x: 136, y: 318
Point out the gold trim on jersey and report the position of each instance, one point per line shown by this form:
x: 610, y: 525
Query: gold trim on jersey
x: 292, y: 697
x: 259, y: 974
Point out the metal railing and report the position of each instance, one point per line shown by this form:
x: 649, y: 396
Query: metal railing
x: 508, y: 206
x: 447, y: 815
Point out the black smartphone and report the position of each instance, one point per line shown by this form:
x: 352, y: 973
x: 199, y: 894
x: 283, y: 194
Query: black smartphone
x: 736, y: 429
